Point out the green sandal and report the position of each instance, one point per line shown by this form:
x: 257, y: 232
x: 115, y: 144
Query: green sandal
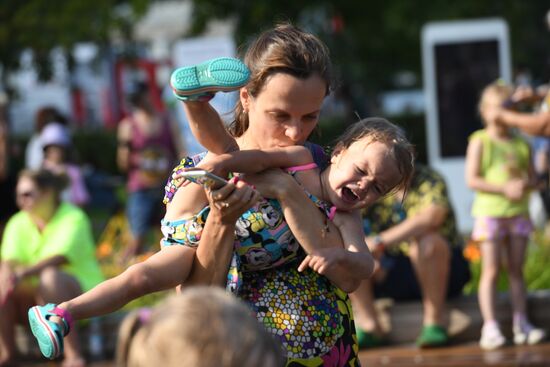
x: 368, y: 340
x: 432, y: 336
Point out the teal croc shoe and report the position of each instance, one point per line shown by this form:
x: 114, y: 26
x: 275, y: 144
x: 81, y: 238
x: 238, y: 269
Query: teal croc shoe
x: 200, y: 82
x: 48, y: 333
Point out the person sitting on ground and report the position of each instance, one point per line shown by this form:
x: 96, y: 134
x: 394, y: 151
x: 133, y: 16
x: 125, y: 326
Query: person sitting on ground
x: 173, y: 333
x: 414, y: 236
x: 47, y: 256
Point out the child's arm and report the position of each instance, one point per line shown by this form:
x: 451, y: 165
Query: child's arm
x: 355, y: 257
x: 208, y: 128
x: 255, y: 160
x: 512, y: 190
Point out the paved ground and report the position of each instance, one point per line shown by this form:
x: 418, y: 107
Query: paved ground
x: 463, y: 355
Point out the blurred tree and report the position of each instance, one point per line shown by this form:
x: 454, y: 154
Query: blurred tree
x: 41, y: 25
x: 370, y: 41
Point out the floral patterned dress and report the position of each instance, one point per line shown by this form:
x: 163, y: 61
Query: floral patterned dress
x: 312, y: 318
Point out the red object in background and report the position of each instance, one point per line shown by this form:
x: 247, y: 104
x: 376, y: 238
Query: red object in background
x: 149, y: 70
x: 337, y: 23
x: 79, y: 111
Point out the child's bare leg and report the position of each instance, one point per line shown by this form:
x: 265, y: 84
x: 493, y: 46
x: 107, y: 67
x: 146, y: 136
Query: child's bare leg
x: 165, y: 269
x: 490, y: 262
x: 516, y: 257
x: 196, y: 85
x: 207, y: 126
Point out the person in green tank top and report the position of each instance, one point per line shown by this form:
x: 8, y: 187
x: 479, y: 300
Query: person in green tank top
x: 500, y: 171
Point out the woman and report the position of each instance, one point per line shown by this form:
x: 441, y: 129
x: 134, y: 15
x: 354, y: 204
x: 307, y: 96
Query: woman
x: 146, y: 151
x: 308, y: 312
x: 47, y: 256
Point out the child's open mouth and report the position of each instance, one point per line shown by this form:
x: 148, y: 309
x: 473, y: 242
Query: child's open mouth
x: 349, y: 195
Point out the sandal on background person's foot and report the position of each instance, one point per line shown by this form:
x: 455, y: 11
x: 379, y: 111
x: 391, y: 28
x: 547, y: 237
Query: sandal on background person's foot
x: 369, y: 339
x: 200, y: 82
x: 432, y: 336
x: 49, y: 334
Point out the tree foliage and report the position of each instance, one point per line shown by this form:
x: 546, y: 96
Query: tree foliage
x: 371, y: 40
x: 43, y: 25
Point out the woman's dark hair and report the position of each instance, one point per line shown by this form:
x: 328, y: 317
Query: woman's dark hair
x: 48, y: 114
x: 46, y: 180
x: 283, y: 49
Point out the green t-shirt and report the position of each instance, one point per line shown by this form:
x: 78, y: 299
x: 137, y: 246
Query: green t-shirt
x: 68, y: 234
x: 501, y: 161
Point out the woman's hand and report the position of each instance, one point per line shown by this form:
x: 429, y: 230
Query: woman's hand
x: 230, y: 201
x: 8, y: 282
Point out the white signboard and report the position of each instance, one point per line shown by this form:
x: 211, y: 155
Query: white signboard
x: 459, y: 59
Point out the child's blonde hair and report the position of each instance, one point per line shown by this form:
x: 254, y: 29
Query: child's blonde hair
x: 202, y: 327
x: 498, y: 89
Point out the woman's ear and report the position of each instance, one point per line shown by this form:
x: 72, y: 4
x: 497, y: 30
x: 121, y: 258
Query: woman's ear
x: 245, y: 98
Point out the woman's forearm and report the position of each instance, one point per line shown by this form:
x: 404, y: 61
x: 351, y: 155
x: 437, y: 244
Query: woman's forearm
x: 213, y: 255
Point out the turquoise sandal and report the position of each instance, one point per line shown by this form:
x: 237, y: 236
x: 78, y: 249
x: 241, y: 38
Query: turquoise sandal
x: 48, y: 333
x: 200, y: 82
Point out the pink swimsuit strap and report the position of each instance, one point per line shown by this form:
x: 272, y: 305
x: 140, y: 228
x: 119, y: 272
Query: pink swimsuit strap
x: 303, y: 167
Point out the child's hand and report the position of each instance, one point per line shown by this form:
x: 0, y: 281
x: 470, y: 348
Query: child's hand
x: 515, y: 189
x: 324, y: 260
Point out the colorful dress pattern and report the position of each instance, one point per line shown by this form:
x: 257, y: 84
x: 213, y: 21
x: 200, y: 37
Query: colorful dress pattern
x: 312, y: 318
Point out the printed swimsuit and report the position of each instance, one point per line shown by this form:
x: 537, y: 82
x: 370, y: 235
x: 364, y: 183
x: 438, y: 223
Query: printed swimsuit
x: 311, y: 317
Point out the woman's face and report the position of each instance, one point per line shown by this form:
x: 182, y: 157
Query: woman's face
x: 284, y: 113
x: 361, y: 174
x: 27, y: 194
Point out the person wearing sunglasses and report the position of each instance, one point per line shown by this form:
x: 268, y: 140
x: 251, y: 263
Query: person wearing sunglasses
x: 47, y: 255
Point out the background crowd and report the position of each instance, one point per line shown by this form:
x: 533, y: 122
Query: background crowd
x: 48, y: 250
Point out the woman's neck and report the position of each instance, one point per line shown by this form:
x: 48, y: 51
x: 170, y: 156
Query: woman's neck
x: 42, y: 215
x: 247, y: 142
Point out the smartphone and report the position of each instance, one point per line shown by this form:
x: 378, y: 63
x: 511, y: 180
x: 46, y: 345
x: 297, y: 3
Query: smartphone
x: 204, y: 178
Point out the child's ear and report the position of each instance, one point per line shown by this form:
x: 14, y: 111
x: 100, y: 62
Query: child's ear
x: 338, y: 149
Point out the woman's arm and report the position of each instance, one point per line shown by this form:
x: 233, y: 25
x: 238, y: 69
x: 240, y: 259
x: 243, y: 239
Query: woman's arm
x: 215, y: 248
x: 124, y: 136
x: 22, y: 272
x: 530, y: 123
x: 208, y: 128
